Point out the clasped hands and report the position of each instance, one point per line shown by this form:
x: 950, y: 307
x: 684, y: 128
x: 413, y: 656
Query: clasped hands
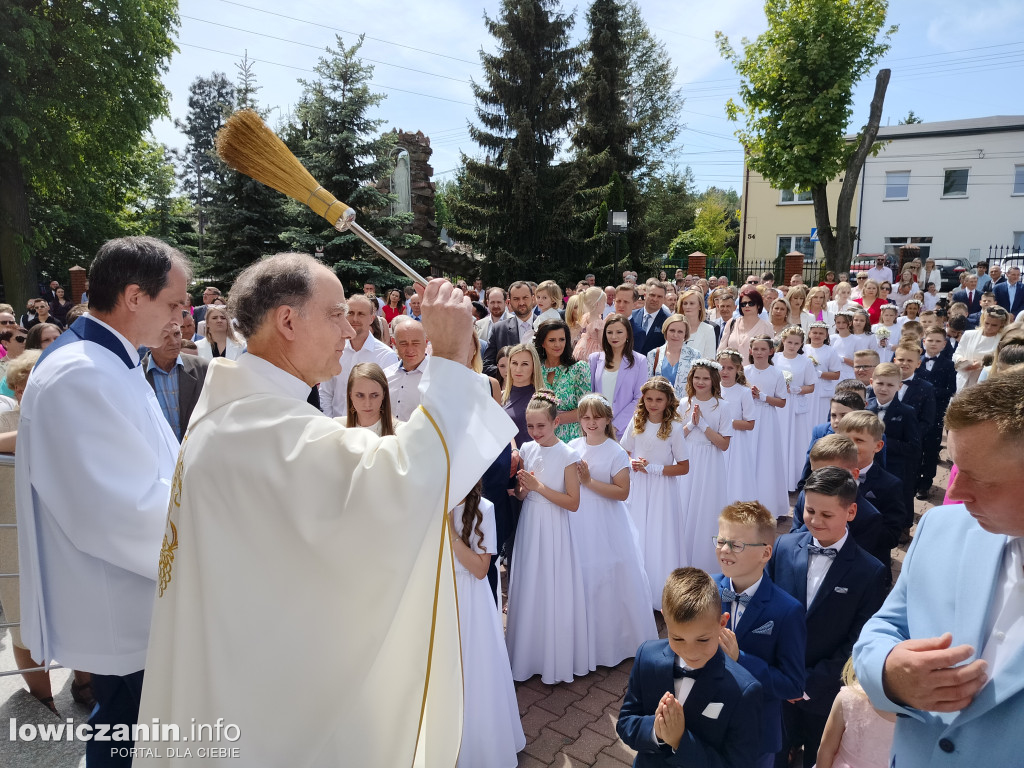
x: 669, y: 721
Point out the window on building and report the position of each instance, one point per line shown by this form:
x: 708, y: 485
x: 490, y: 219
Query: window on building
x: 794, y: 196
x: 892, y: 246
x: 897, y: 185
x: 800, y: 243
x: 1018, y: 179
x: 955, y: 183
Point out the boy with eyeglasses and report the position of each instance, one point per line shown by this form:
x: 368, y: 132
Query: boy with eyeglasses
x: 765, y: 632
x: 841, y: 587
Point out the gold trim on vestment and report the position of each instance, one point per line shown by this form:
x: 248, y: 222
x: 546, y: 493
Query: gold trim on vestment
x: 170, y: 543
x: 445, y: 540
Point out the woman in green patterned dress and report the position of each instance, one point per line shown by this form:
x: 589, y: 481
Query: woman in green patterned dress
x: 569, y: 379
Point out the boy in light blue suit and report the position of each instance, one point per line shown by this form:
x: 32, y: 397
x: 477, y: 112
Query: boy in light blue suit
x: 766, y: 631
x: 687, y: 703
x: 841, y: 586
x: 946, y: 651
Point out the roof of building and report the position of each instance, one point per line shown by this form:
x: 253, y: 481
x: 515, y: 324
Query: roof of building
x: 994, y: 124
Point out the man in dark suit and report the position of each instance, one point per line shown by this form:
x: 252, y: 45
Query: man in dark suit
x: 647, y: 320
x: 1010, y: 295
x: 970, y: 295
x: 177, y: 379
x: 840, y: 585
x: 512, y: 330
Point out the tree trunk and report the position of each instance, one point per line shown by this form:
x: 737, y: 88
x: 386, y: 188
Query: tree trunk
x: 838, y: 244
x: 17, y: 262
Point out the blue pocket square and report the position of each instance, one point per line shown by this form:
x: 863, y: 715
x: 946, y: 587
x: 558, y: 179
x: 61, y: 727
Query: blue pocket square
x: 842, y: 590
x: 764, y: 629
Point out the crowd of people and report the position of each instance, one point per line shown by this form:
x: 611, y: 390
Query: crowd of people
x: 660, y: 429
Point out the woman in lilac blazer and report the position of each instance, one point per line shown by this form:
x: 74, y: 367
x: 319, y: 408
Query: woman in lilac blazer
x: 617, y: 372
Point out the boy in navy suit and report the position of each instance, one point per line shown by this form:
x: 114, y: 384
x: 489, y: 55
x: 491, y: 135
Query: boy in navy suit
x: 868, y: 528
x: 687, y: 702
x: 766, y: 631
x: 840, y: 405
x: 902, y: 434
x: 917, y: 393
x: 937, y: 369
x: 877, y: 485
x: 840, y: 585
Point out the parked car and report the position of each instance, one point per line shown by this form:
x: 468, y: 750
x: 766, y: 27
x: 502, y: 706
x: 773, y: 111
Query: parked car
x: 1015, y: 260
x: 950, y: 267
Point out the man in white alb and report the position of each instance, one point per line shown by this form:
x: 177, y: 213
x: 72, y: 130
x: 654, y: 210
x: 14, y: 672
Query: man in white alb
x: 92, y: 482
x: 361, y: 348
x: 306, y: 591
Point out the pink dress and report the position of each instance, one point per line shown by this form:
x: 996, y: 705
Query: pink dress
x: 867, y: 739
x: 590, y: 341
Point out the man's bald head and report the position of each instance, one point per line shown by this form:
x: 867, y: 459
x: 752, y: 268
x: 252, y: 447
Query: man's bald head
x: 410, y: 342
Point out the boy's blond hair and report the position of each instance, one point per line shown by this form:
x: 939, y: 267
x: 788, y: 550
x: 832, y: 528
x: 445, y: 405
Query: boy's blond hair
x: 835, y: 448
x: 886, y: 370
x: 862, y: 421
x: 914, y: 349
x: 689, y: 594
x: 751, y: 513
x: 863, y: 354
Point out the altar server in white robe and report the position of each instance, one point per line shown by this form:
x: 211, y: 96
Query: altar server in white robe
x: 361, y: 348
x: 296, y: 601
x: 92, y: 482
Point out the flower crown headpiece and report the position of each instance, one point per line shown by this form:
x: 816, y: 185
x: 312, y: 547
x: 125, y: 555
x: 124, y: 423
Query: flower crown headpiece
x: 845, y: 313
x: 912, y: 301
x: 818, y: 324
x: 703, y: 362
x: 595, y: 396
x: 546, y: 397
x: 728, y: 351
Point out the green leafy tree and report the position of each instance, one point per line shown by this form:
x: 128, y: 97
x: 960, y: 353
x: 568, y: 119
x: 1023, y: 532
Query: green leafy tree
x: 796, y: 100
x: 339, y: 142
x: 671, y: 204
x: 653, y: 100
x: 518, y: 204
x: 79, y: 85
x: 210, y: 101
x: 245, y: 217
x: 710, y: 231
x: 911, y: 119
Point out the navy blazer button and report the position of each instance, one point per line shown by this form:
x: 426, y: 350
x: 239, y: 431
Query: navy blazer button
x: 946, y: 745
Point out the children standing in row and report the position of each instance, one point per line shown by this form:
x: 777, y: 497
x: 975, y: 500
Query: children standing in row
x: 827, y: 364
x: 707, y: 425
x: 615, y: 584
x: 547, y: 621
x: 742, y: 453
x: 658, y: 457
x: 846, y: 344
x: 768, y: 388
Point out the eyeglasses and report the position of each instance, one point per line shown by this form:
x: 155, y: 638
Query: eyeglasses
x: 747, y: 304
x: 8, y: 322
x: 751, y: 282
x: 21, y: 339
x: 735, y: 546
x: 863, y: 367
x: 862, y: 277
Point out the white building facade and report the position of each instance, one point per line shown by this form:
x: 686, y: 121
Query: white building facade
x: 953, y: 188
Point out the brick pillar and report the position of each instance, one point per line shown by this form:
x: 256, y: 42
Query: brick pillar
x: 697, y: 264
x: 77, y: 284
x: 794, y: 266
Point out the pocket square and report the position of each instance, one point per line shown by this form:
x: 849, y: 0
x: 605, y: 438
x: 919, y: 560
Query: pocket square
x: 870, y: 495
x: 842, y: 590
x: 713, y: 710
x: 764, y: 629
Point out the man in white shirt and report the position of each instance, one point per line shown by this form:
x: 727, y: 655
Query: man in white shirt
x: 880, y: 273
x: 609, y: 300
x: 404, y: 376
x: 92, y: 511
x: 361, y: 348
x: 952, y: 671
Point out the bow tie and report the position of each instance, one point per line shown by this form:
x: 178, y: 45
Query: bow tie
x: 728, y: 594
x: 829, y: 552
x: 678, y: 672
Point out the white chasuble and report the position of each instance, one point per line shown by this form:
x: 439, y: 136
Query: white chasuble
x: 306, y: 590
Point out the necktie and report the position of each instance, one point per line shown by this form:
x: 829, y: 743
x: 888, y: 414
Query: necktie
x: 678, y: 672
x: 647, y: 322
x: 728, y: 594
x: 970, y: 298
x: 829, y: 552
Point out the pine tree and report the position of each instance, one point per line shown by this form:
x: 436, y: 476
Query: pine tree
x: 517, y: 205
x: 340, y: 144
x: 246, y: 217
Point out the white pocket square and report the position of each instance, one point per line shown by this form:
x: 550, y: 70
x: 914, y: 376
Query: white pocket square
x: 713, y: 710
x: 842, y: 590
x: 764, y: 629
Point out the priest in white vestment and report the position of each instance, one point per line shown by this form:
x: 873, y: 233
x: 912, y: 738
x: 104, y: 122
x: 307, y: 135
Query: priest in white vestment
x: 306, y: 590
